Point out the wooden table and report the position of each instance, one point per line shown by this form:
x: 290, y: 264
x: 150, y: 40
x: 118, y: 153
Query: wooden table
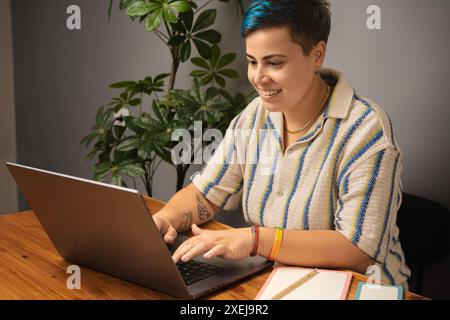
x: 30, y: 268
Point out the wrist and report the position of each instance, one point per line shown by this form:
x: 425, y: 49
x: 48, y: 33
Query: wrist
x: 277, y: 244
x: 255, y: 240
x: 266, y: 240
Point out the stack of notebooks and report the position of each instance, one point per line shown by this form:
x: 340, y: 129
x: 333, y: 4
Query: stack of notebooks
x: 293, y: 283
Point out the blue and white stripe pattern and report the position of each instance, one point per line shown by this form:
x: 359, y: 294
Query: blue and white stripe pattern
x: 343, y: 175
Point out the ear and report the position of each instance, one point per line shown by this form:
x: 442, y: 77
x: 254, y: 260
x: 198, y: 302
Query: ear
x: 318, y: 53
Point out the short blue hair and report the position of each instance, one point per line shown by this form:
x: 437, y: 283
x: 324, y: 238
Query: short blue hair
x: 309, y: 21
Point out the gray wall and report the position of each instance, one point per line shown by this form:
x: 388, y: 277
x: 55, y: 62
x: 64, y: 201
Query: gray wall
x: 61, y: 78
x: 403, y: 67
x: 8, y: 190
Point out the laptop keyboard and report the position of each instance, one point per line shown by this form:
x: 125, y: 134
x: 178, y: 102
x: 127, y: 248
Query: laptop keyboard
x: 194, y: 271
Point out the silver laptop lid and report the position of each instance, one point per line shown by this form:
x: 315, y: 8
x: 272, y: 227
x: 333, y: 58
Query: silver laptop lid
x: 101, y: 226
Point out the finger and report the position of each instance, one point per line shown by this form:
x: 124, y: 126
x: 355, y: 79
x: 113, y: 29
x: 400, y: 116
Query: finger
x: 215, y: 252
x: 196, y: 230
x: 181, y: 250
x: 159, y: 224
x: 185, y: 243
x: 195, y: 251
x: 171, y: 235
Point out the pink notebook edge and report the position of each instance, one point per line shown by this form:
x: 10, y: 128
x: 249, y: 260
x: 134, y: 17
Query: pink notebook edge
x: 275, y: 269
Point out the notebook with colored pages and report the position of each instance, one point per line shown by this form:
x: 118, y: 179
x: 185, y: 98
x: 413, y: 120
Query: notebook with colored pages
x: 326, y: 285
x: 367, y: 291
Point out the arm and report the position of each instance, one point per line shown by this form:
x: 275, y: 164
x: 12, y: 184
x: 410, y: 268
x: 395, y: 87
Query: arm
x: 315, y: 249
x: 359, y: 236
x: 188, y: 206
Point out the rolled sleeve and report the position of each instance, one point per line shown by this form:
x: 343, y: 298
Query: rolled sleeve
x: 368, y: 202
x: 221, y: 179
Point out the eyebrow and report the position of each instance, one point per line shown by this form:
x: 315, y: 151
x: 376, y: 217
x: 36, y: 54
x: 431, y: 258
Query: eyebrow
x: 267, y: 57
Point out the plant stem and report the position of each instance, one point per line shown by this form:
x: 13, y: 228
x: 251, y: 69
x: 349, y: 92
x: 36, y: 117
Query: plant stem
x: 161, y: 38
x: 168, y: 29
x: 181, y: 175
x: 157, y: 166
x: 161, y: 34
x: 143, y: 180
x: 157, y: 32
x: 148, y: 183
x: 173, y: 71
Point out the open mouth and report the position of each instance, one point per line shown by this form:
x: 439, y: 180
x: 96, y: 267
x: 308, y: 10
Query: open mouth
x: 270, y: 93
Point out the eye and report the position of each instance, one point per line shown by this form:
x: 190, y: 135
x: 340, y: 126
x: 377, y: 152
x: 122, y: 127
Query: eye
x: 275, y: 64
x: 251, y: 62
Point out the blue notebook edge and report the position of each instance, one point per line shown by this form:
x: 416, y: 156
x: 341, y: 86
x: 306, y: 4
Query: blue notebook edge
x: 361, y: 283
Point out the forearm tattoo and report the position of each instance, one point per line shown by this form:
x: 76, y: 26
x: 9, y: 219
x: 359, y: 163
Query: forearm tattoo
x: 186, y: 222
x: 203, y: 212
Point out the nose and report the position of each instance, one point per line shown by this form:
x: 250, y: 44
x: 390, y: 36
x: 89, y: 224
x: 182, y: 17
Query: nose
x: 260, y: 75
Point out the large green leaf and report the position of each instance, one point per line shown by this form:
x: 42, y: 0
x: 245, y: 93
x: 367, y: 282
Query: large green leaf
x: 211, y: 36
x: 211, y: 93
x: 176, y: 40
x: 161, y: 76
x: 100, y: 176
x: 118, y: 132
x: 185, y: 52
x: 208, y: 79
x: 116, y: 179
x: 225, y: 60
x: 99, y: 116
x: 134, y: 102
x: 88, y: 139
x: 154, y: 20
x: 169, y: 15
x: 101, y: 170
x: 202, y: 47
x: 212, y: 69
x: 159, y: 111
x: 233, y: 74
x: 132, y: 170
x: 123, y: 84
x: 187, y: 19
x: 142, y: 8
x: 181, y: 6
x: 144, y: 121
x: 215, y: 55
x: 220, y: 80
x: 200, y: 62
x: 199, y: 73
x: 123, y: 4
x: 205, y: 19
x: 128, y: 144
x: 91, y: 154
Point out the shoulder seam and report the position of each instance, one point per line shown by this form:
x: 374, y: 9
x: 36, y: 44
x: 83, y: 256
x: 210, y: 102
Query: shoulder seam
x: 388, y: 136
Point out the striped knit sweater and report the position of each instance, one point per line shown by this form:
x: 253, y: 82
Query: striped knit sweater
x: 343, y: 175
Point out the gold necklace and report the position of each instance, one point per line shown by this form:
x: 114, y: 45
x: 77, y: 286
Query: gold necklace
x: 313, y: 117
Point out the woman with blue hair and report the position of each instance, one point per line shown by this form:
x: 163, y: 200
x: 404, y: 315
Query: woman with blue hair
x: 316, y: 166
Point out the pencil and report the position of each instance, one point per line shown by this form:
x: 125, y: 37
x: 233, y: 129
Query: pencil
x: 295, y: 285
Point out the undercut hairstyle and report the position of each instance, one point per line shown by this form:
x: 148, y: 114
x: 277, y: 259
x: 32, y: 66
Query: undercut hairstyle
x: 308, y: 21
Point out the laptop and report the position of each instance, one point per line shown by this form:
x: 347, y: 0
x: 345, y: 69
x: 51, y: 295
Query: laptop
x: 110, y: 229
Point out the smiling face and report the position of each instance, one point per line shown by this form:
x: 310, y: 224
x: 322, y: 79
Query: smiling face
x: 279, y: 70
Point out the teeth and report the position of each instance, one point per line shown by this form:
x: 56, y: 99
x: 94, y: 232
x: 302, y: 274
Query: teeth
x: 271, y: 92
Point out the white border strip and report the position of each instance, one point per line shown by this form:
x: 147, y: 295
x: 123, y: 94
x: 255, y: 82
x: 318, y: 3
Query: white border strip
x: 74, y: 178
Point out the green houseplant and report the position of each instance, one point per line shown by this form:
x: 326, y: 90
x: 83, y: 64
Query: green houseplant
x: 129, y: 138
